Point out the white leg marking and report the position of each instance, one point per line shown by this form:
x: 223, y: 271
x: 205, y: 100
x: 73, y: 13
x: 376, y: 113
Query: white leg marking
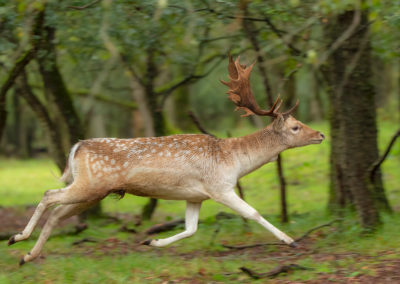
x: 191, y: 220
x: 40, y: 209
x: 59, y: 213
x: 51, y: 197
x: 239, y: 205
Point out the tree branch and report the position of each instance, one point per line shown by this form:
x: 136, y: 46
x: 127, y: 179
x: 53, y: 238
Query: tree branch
x: 131, y: 70
x: 344, y: 36
x: 19, y: 65
x: 375, y: 166
x: 198, y: 124
x: 207, y: 40
x: 294, y: 51
x: 169, y: 88
x: 106, y: 99
x: 278, y: 32
x: 187, y: 80
x: 42, y: 113
x: 84, y: 6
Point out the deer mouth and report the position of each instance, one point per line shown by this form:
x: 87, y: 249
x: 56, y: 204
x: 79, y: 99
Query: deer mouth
x: 317, y: 141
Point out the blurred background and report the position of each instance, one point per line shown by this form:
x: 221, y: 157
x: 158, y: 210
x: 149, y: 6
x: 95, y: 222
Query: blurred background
x: 94, y: 67
x: 72, y: 70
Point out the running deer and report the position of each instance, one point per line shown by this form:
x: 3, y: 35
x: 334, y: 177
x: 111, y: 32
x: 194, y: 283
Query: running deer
x: 191, y: 167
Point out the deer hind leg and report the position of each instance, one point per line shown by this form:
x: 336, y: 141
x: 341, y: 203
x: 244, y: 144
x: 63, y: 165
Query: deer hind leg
x: 59, y: 213
x: 237, y: 204
x: 39, y: 211
x: 68, y: 195
x: 191, y: 220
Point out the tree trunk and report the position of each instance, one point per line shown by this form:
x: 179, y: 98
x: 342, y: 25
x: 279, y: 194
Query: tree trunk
x: 353, y: 123
x: 56, y: 147
x: 157, y: 118
x: 19, y: 65
x: 55, y: 86
x: 180, y: 108
x: 249, y: 30
x: 398, y: 88
x: 317, y: 107
x: 16, y: 133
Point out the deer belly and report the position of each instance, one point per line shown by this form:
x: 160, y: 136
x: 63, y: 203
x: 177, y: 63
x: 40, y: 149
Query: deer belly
x: 165, y: 184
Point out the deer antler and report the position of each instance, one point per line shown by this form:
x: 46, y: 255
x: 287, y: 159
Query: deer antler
x: 241, y: 95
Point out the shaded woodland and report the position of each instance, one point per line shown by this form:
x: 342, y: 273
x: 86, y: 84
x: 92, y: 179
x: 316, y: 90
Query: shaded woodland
x: 72, y: 70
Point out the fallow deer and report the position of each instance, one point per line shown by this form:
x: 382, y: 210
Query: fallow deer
x: 178, y: 167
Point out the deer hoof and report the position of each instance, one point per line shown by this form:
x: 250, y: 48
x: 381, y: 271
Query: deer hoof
x: 22, y: 261
x: 146, y: 242
x: 294, y: 245
x: 11, y: 241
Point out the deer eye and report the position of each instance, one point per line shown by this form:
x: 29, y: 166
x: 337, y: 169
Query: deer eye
x: 295, y: 128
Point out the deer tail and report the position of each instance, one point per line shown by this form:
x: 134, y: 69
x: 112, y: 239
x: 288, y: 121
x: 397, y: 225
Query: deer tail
x: 67, y: 175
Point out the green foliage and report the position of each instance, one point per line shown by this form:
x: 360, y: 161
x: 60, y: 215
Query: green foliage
x: 115, y: 259
x: 189, y: 37
x: 184, y: 35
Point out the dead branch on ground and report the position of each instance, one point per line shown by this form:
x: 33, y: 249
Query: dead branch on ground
x: 164, y: 227
x: 125, y: 229
x: 84, y: 240
x: 78, y: 228
x: 299, y: 239
x: 306, y: 234
x: 273, y: 272
x: 6, y: 236
x: 254, y: 245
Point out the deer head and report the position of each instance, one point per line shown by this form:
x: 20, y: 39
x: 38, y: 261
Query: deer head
x: 292, y: 132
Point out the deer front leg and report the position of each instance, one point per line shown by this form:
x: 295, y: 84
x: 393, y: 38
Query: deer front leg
x: 191, y: 220
x: 237, y: 204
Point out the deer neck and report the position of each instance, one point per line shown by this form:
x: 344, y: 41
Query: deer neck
x: 252, y: 151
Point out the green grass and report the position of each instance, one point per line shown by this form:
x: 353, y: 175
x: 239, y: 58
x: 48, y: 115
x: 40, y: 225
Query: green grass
x: 201, y: 257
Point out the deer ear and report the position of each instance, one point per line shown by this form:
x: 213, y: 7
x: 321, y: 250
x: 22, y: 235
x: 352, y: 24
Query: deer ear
x: 279, y: 122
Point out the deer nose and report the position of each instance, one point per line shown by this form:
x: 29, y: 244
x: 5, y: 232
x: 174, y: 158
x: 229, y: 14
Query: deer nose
x: 322, y: 135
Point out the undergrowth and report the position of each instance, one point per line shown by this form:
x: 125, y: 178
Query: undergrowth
x: 114, y: 257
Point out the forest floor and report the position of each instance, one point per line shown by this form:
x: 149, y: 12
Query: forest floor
x: 106, y: 253
x: 312, y: 262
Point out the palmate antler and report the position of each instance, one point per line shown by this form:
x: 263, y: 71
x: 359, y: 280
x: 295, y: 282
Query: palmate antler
x: 241, y: 95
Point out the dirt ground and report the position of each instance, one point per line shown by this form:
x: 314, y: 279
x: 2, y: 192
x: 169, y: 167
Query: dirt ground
x: 12, y: 220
